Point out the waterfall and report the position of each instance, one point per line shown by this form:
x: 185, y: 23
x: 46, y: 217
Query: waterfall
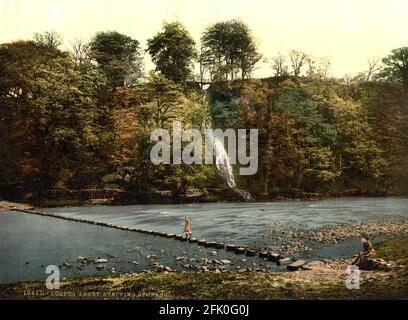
x: 223, y: 164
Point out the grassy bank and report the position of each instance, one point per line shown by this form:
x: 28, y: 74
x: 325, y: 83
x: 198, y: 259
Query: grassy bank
x: 312, y: 284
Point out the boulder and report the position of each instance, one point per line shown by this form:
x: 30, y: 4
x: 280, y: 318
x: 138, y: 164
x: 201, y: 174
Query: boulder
x: 263, y: 254
x: 272, y: 256
x: 100, y: 267
x: 100, y: 260
x: 284, y: 261
x: 312, y: 265
x: 214, y: 252
x: 239, y: 250
x: 210, y: 244
x: 201, y: 242
x: 250, y: 252
x: 181, y: 258
x: 296, y: 265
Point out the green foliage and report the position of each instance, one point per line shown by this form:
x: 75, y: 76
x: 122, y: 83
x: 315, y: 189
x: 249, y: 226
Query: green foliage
x: 314, y: 140
x: 49, y: 39
x: 229, y: 49
x: 119, y: 57
x: 55, y: 121
x: 396, y: 65
x: 88, y: 125
x: 173, y: 51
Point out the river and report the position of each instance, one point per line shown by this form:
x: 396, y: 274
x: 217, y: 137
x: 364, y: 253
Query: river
x: 29, y: 243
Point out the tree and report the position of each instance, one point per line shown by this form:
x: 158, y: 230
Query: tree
x: 396, y: 68
x: 80, y: 52
x: 313, y: 138
x: 374, y: 66
x: 203, y: 67
x: 229, y: 49
x: 48, y: 39
x: 279, y: 65
x: 298, y: 59
x: 55, y: 129
x: 323, y: 67
x: 173, y: 51
x: 18, y: 62
x: 119, y: 57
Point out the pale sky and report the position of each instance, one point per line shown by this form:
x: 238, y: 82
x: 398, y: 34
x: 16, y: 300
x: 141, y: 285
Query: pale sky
x: 348, y: 31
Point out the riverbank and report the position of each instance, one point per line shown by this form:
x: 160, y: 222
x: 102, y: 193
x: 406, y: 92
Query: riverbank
x: 325, y: 280
x: 8, y: 206
x: 165, y: 199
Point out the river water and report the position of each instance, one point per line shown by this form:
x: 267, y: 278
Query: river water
x: 29, y: 243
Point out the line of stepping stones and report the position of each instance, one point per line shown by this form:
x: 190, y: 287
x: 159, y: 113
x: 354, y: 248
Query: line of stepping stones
x: 237, y: 249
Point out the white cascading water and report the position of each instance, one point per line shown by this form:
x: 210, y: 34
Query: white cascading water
x: 223, y: 164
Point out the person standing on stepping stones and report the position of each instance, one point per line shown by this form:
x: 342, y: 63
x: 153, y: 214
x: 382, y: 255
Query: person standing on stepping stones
x: 187, y: 227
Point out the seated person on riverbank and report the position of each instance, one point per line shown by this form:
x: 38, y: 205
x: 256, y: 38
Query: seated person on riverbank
x: 368, y: 253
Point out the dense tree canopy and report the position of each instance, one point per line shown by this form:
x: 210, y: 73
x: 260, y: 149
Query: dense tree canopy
x: 396, y: 68
x: 173, y: 51
x: 83, y: 119
x: 48, y: 39
x: 229, y: 50
x: 118, y: 56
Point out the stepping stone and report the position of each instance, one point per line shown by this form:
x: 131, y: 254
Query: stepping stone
x: 210, y: 244
x: 273, y: 256
x: 170, y: 235
x: 219, y: 246
x: 99, y: 261
x: 193, y: 240
x: 284, y: 261
x: 226, y: 261
x: 231, y: 247
x: 179, y: 237
x: 263, y: 254
x: 239, y: 250
x: 201, y: 242
x: 296, y: 265
x: 100, y: 267
x: 183, y: 239
x: 313, y: 265
x: 250, y: 253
